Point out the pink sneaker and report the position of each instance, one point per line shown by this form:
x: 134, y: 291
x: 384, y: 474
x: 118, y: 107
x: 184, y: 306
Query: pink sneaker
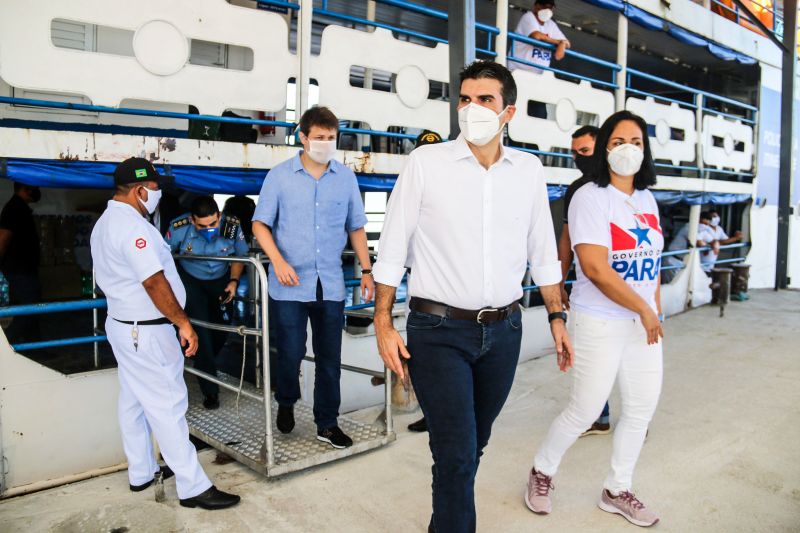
x: 537, y: 495
x: 628, y: 506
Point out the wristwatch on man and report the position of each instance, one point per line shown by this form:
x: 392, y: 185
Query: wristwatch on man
x: 558, y: 314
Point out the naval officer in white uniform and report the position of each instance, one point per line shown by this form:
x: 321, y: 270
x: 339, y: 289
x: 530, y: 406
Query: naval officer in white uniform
x: 135, y: 270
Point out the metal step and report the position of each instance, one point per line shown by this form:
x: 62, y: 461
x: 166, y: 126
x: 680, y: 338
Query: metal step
x: 240, y: 432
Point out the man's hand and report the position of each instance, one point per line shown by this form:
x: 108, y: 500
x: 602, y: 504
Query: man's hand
x: 230, y: 289
x: 561, y: 50
x: 566, y: 43
x: 367, y: 287
x: 286, y: 274
x: 652, y: 325
x: 564, y: 296
x: 738, y: 235
x: 188, y: 338
x: 391, y: 346
x: 564, y: 351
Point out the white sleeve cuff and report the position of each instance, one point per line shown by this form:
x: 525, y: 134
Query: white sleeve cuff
x: 549, y: 274
x: 388, y: 274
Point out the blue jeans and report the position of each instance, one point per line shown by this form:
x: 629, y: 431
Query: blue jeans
x: 462, y: 373
x: 291, y: 319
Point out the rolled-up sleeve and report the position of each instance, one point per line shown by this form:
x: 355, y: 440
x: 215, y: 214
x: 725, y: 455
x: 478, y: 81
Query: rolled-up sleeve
x: 402, y: 215
x: 267, y: 206
x: 542, y: 250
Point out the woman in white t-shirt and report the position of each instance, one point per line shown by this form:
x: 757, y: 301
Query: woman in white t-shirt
x: 614, y: 324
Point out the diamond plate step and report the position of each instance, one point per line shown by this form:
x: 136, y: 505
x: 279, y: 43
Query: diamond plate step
x: 239, y: 432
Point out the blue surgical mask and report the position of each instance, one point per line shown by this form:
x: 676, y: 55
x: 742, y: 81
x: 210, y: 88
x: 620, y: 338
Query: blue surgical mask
x: 208, y: 233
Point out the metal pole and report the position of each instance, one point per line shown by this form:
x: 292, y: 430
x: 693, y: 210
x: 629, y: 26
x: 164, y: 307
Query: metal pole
x: 262, y: 277
x: 501, y: 41
x: 95, y: 321
x: 304, y: 27
x: 694, y: 211
x: 622, y: 60
x: 387, y: 383
x: 788, y: 72
x: 461, y: 38
x: 371, y: 8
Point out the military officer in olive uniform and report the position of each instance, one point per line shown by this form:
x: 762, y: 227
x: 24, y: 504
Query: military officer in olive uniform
x: 209, y: 284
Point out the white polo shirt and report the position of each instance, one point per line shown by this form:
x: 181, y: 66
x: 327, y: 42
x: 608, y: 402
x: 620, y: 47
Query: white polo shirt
x: 628, y: 226
x: 126, y: 250
x: 533, y: 54
x: 468, y: 233
x: 712, y: 233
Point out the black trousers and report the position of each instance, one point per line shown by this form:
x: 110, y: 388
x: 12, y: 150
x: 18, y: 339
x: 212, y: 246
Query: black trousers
x: 23, y: 289
x: 202, y: 303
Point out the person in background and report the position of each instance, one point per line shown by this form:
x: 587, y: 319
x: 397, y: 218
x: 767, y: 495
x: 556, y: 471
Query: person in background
x: 716, y: 238
x: 582, y: 150
x: 210, y: 285
x: 242, y: 207
x: 681, y: 242
x: 19, y: 259
x: 308, y: 207
x: 538, y: 24
x: 451, y: 214
x: 615, y: 320
x: 424, y: 138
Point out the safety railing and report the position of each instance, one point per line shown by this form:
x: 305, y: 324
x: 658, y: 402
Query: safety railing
x: 700, y: 102
x: 764, y: 7
x: 57, y: 307
x: 261, y: 332
x: 518, y: 38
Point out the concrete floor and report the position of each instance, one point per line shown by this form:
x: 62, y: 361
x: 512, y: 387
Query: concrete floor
x: 723, y: 455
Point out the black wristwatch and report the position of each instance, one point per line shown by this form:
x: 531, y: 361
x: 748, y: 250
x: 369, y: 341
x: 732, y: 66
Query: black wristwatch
x: 367, y: 271
x: 558, y: 314
x: 234, y: 279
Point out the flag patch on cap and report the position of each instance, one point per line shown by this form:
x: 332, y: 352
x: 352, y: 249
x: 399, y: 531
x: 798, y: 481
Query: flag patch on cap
x: 141, y: 172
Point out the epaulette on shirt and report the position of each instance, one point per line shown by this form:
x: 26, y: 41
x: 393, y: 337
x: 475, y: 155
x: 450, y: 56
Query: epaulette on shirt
x: 231, y: 227
x: 182, y: 221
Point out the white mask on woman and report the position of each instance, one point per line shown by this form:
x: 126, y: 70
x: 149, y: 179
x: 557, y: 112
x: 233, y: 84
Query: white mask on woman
x: 321, y: 151
x: 153, y: 197
x: 625, y: 159
x: 479, y: 124
x: 715, y: 221
x: 545, y: 14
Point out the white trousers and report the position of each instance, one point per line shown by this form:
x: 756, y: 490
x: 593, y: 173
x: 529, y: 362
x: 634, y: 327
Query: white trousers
x: 153, y: 399
x: 605, y: 351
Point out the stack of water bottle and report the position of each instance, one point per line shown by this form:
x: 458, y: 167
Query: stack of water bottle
x: 4, y: 297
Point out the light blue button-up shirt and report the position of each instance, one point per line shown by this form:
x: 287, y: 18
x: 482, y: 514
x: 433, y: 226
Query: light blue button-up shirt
x: 310, y: 221
x: 184, y: 239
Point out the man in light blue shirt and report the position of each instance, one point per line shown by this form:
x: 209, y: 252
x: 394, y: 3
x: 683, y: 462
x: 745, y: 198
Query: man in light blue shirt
x: 209, y: 284
x: 307, y: 208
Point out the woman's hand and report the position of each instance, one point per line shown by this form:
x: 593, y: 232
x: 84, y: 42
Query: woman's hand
x: 652, y: 325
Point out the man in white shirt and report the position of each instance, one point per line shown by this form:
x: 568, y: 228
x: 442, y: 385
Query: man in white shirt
x: 681, y: 242
x: 472, y: 215
x: 538, y: 24
x: 145, y: 296
x: 716, y: 238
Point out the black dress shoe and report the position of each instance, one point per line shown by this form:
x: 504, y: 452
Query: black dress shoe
x: 211, y: 402
x: 285, y: 421
x: 420, y: 426
x: 212, y: 499
x: 166, y: 472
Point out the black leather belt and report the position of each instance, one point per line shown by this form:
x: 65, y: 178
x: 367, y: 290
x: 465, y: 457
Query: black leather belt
x: 487, y: 315
x: 154, y: 322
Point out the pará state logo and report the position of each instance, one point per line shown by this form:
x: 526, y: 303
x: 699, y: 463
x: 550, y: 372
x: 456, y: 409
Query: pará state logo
x: 636, y: 251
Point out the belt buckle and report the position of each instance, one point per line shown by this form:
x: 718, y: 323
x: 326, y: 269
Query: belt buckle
x: 485, y: 310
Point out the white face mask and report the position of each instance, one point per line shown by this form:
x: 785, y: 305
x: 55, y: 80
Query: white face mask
x: 715, y: 221
x: 479, y: 124
x: 153, y: 197
x: 321, y: 151
x: 545, y: 14
x: 625, y: 159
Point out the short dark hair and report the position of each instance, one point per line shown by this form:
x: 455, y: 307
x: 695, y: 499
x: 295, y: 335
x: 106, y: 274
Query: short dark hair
x: 318, y: 116
x: 125, y: 188
x: 705, y: 215
x: 204, y: 206
x: 545, y: 3
x: 586, y: 130
x: 646, y: 177
x: 483, y: 69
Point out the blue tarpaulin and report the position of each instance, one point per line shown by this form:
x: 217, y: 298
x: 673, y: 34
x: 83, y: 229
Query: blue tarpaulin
x: 216, y: 180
